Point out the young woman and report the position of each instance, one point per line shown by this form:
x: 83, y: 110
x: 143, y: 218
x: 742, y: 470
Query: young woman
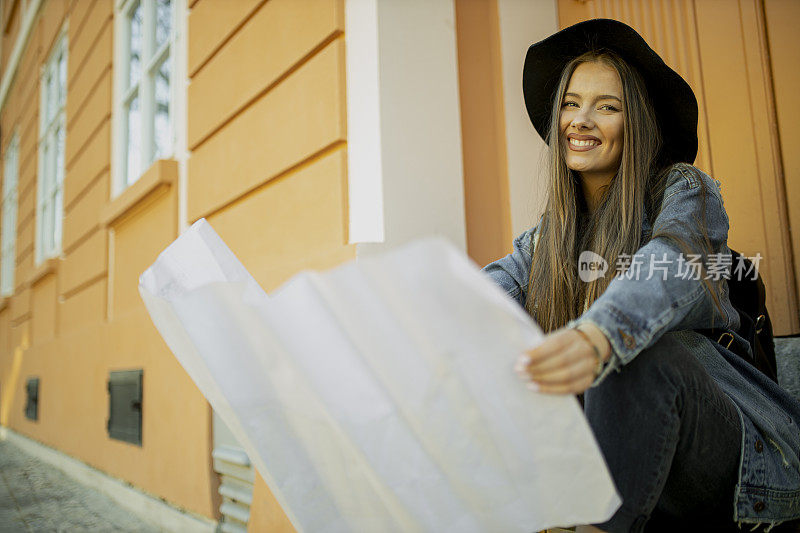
x: 628, y: 258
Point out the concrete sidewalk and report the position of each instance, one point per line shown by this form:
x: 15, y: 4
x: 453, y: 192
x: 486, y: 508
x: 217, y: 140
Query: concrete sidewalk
x: 35, y: 496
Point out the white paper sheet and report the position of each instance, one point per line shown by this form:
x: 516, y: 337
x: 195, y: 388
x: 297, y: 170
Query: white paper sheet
x: 380, y: 396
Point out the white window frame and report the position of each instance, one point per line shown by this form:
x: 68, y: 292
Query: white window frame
x: 144, y: 88
x: 50, y: 177
x: 8, y: 243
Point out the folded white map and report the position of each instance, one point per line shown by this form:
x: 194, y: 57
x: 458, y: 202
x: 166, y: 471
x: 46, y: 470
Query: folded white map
x: 380, y: 396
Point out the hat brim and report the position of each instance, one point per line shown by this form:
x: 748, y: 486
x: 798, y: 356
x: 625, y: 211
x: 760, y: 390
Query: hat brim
x: 673, y: 100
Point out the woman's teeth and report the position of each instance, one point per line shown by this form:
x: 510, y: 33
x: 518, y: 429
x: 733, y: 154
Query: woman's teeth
x: 583, y: 143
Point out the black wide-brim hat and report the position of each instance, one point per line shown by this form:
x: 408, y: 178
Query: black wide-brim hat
x: 672, y: 98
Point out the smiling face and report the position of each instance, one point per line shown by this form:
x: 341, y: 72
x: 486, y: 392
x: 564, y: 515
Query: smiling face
x: 591, y: 123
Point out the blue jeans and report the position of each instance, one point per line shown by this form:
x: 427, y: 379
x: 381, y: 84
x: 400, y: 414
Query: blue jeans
x: 672, y: 441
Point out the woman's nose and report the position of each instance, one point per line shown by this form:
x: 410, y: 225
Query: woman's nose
x: 582, y: 120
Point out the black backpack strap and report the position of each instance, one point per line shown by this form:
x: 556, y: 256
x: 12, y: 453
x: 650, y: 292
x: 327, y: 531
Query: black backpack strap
x: 748, y: 297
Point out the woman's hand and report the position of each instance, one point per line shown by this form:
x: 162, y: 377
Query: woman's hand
x: 564, y: 362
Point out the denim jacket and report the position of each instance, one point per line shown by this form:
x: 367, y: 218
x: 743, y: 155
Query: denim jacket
x: 635, y: 311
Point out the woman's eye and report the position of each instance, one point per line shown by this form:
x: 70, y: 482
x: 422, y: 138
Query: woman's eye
x: 610, y: 107
x: 565, y: 104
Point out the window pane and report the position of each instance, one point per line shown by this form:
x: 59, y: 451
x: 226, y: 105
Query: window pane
x: 47, y: 227
x: 62, y: 79
x: 12, y: 227
x: 60, y: 140
x: 58, y: 210
x: 135, y: 63
x: 162, y: 130
x: 59, y: 173
x: 51, y: 93
x: 9, y: 233
x: 7, y: 272
x: 45, y: 171
x: 163, y: 22
x: 50, y: 175
x: 134, y: 134
x: 10, y: 181
x: 5, y: 286
x: 48, y: 180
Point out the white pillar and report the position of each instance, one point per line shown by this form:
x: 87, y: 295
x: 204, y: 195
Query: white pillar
x: 405, y: 167
x: 522, y: 24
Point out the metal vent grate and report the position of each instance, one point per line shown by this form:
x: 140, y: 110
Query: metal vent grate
x: 125, y: 406
x: 32, y: 401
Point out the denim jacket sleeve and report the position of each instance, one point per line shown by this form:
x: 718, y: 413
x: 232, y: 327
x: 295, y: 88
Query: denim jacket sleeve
x: 512, y: 271
x: 636, y: 310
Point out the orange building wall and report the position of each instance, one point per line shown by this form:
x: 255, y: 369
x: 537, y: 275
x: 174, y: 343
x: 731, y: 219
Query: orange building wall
x: 58, y: 322
x: 486, y: 188
x: 267, y: 135
x: 267, y: 130
x: 782, y: 20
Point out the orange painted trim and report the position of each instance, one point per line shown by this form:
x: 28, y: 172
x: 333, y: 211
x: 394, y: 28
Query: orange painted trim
x: 48, y: 266
x: 161, y: 175
x: 483, y: 134
x: 4, y: 303
x: 8, y: 16
x: 780, y: 23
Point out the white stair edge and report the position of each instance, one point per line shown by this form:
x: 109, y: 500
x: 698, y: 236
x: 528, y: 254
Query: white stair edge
x: 235, y: 511
x: 150, y: 509
x: 230, y: 527
x: 235, y: 493
x: 231, y: 455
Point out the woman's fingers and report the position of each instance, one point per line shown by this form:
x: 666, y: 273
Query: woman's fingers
x: 577, y: 370
x: 553, y: 345
x: 575, y: 387
x: 564, y: 358
x: 563, y: 363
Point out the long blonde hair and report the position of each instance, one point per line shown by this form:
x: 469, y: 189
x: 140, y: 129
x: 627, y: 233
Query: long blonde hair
x: 556, y: 294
